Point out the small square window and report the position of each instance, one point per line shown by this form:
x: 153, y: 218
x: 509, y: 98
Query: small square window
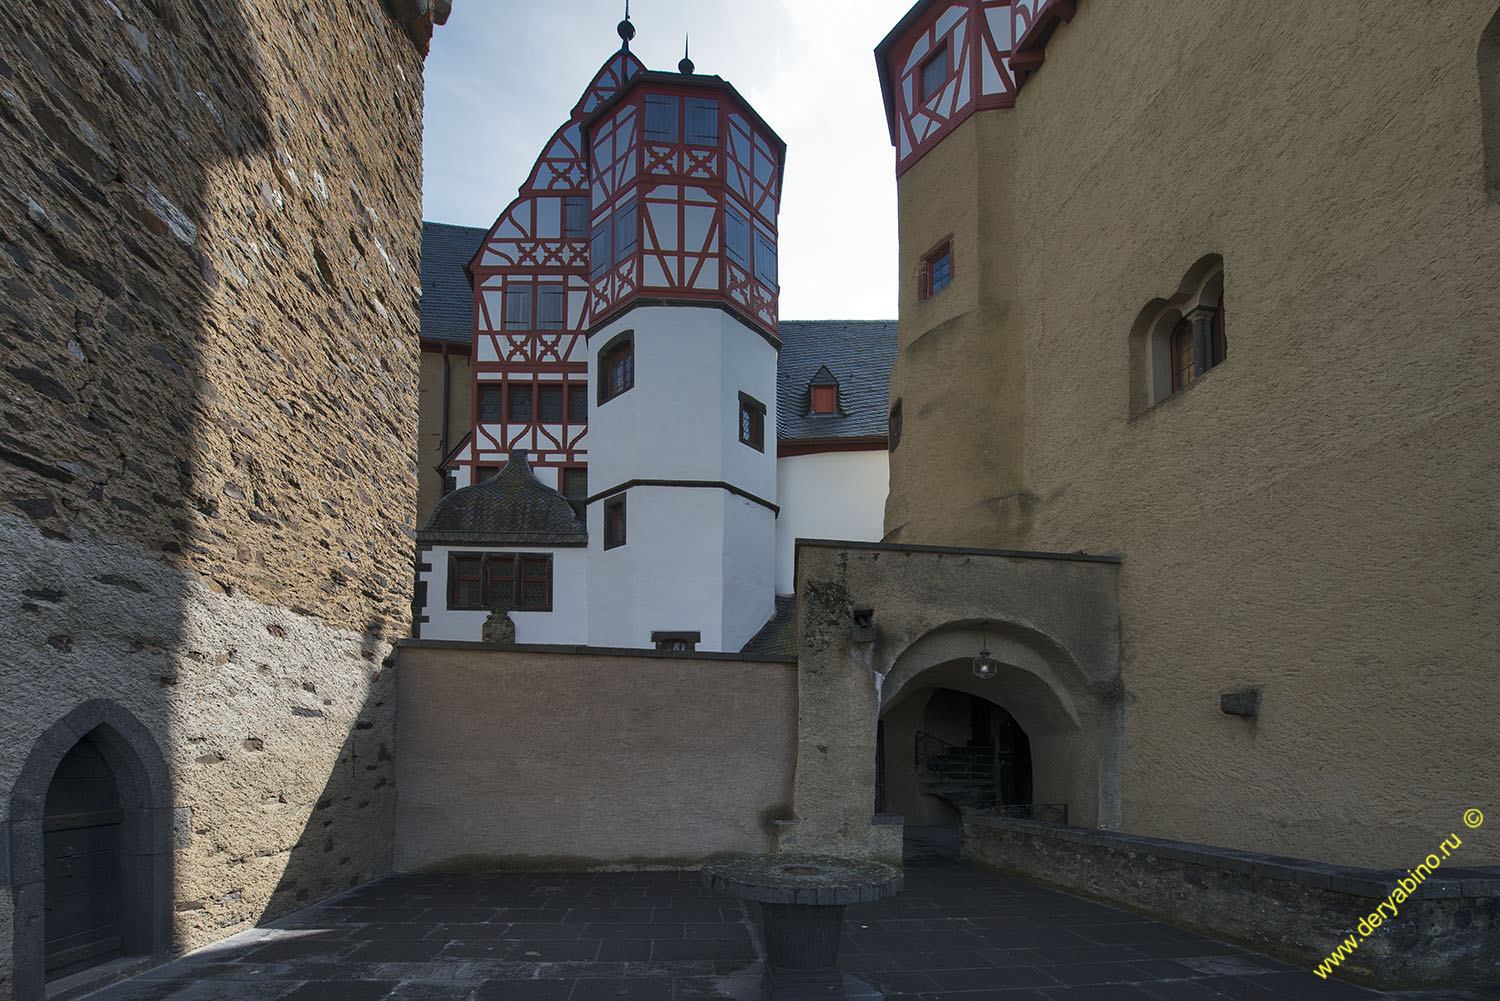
x: 519, y: 410
x: 483, y: 473
x: 550, y: 409
x: 578, y: 403
x: 935, y: 73
x: 575, y: 487
x: 936, y: 272
x: 491, y: 403
x: 614, y: 522
x: 824, y: 399
x: 752, y: 423
x: 450, y: 482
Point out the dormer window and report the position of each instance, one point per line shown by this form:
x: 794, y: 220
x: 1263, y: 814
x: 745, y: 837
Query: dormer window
x: 823, y: 393
x: 935, y: 73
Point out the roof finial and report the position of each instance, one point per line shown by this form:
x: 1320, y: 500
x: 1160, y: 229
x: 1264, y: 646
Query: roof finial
x: 685, y: 67
x: 626, y: 29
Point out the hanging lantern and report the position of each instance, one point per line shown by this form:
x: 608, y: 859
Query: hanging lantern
x: 985, y: 666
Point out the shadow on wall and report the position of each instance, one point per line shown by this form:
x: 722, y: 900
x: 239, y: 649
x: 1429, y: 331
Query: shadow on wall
x: 192, y: 253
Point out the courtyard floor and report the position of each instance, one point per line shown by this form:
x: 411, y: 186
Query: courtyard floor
x: 953, y: 934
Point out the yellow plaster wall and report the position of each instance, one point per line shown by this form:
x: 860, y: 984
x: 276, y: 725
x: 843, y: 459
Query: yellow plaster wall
x: 1317, y: 516
x: 430, y: 450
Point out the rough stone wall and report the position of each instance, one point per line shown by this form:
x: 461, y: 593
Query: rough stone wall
x: 210, y: 222
x: 1315, y: 516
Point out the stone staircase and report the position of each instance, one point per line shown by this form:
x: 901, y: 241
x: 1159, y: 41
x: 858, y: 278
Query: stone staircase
x: 963, y: 777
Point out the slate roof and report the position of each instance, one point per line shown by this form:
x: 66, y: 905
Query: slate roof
x: 857, y: 353
x: 532, y: 513
x: 778, y: 637
x: 447, y: 299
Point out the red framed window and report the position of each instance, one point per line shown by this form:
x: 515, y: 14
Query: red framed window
x: 935, y: 72
x: 518, y: 407
x: 614, y: 522
x: 578, y: 403
x: 824, y: 399
x: 491, y: 402
x: 482, y: 473
x: 481, y: 581
x: 936, y: 271
x: 550, y: 404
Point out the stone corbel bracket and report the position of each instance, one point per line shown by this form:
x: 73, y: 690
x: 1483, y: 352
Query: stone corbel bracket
x: 418, y: 17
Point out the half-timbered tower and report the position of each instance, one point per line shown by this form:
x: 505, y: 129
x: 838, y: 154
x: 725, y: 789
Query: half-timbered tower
x: 685, y: 181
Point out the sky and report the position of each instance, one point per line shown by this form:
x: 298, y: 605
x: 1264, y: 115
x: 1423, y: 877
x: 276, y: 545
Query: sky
x: 503, y: 75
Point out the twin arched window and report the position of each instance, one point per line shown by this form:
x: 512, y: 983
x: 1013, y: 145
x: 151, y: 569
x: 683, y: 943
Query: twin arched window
x: 1178, y: 339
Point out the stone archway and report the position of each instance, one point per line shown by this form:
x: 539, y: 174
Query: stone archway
x: 96, y: 745
x: 874, y: 619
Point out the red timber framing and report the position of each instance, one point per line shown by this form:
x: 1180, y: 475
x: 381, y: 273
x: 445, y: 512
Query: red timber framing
x: 991, y: 47
x: 531, y: 284
x: 686, y: 183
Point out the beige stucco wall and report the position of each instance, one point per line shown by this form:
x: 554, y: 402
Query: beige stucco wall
x: 430, y: 397
x: 568, y: 758
x: 1316, y: 516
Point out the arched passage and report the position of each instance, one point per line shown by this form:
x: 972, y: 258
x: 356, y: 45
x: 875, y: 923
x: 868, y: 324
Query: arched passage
x: 90, y: 832
x: 947, y: 752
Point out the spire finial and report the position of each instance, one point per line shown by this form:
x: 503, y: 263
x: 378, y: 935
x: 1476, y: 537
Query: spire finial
x: 685, y: 67
x: 626, y: 29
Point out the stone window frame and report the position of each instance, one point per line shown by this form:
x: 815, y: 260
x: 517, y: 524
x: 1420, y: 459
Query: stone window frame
x: 936, y: 266
x: 614, y: 534
x: 754, y: 434
x: 146, y: 837
x: 1156, y: 338
x: 619, y: 350
x: 518, y: 578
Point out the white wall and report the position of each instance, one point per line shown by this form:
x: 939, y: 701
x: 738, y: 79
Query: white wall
x: 828, y: 495
x: 566, y: 623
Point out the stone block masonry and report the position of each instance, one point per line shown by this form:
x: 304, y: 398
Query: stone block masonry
x: 209, y: 239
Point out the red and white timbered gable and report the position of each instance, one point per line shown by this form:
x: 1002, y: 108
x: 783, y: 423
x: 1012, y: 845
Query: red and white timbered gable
x: 686, y: 187
x: 531, y: 287
x: 950, y: 58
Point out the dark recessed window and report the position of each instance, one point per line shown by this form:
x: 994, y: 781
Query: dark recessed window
x: 661, y: 118
x: 935, y: 73
x: 575, y: 487
x: 550, y: 404
x: 702, y: 122
x: 482, y: 473
x: 614, y: 522
x: 576, y: 218
x: 518, y: 306
x: 578, y: 403
x: 737, y: 237
x: 626, y: 229
x: 936, y: 273
x: 893, y: 430
x: 680, y: 642
x: 1182, y: 354
x: 491, y: 402
x: 599, y: 248
x: 519, y: 410
x: 521, y: 581
x: 824, y: 399
x: 450, y: 482
x: 752, y: 422
x: 1197, y: 344
x: 617, y: 366
x: 551, y: 306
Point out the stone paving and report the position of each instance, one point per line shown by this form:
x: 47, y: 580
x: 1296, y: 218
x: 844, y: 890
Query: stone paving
x: 954, y: 934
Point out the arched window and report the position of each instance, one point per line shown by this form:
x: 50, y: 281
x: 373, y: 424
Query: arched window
x: 1489, y: 104
x: 616, y: 371
x: 1176, y: 340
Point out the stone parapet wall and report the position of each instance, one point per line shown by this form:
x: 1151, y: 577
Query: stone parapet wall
x: 1447, y: 934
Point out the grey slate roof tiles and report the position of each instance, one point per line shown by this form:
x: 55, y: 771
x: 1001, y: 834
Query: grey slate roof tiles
x: 511, y: 508
x: 858, y: 354
x: 447, y: 299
